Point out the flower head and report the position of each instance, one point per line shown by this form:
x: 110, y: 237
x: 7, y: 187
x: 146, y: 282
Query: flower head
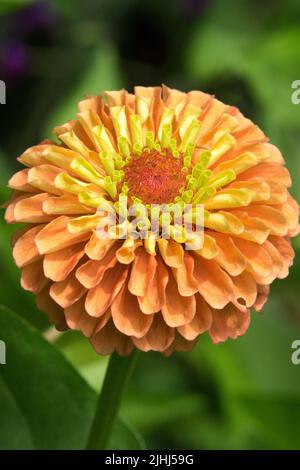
x: 125, y: 284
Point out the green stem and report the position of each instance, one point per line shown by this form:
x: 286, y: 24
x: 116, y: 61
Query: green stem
x: 117, y: 375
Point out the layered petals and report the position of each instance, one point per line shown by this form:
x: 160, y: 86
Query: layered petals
x: 132, y: 279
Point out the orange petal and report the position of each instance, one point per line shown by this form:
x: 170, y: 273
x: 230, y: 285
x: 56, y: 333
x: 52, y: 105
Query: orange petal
x: 54, y: 312
x: 286, y: 251
x: 109, y: 339
x: 210, y: 248
x: 229, y: 257
x: 33, y: 155
x: 274, y: 153
x: 278, y: 192
x: 96, y: 248
x: 245, y: 289
x: 42, y: 177
x: 126, y: 253
x: 255, y: 229
x: 177, y: 310
x: 262, y: 297
x: 65, y: 205
x: 213, y: 283
x: 181, y: 345
x: 210, y: 117
x: 33, y: 278
x: 100, y: 298
x: 25, y: 250
x: 277, y: 262
x: 247, y: 130
x: 19, y: 182
x: 142, y: 271
x: 78, y: 319
x: 127, y: 315
x: 200, y: 323
x: 291, y: 211
x: 91, y: 273
x: 229, y: 322
x: 186, y: 283
x: 67, y: 292
x: 171, y: 252
x: 58, y: 265
x: 30, y: 210
x: 275, y: 220
x: 269, y: 171
x: 259, y: 260
x: 55, y: 236
x: 155, y: 296
x: 158, y: 338
x: 198, y: 98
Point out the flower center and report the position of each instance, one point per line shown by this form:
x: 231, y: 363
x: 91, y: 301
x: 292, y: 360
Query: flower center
x: 155, y: 177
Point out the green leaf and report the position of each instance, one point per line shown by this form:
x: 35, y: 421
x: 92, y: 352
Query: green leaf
x: 51, y: 403
x: 44, y: 403
x: 11, y: 292
x: 126, y: 435
x: 75, y: 347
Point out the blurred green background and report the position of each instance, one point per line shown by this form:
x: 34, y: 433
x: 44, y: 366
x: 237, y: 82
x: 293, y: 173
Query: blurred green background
x: 243, y: 394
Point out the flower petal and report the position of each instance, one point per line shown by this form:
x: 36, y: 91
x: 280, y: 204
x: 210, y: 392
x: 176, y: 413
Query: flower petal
x: 158, y: 338
x: 229, y: 257
x: 55, y: 236
x: 186, y: 283
x: 55, y: 313
x: 100, y: 298
x: 78, y: 319
x: 127, y: 315
x: 155, y: 296
x: 258, y: 259
x: 33, y: 278
x: 262, y: 297
x: 67, y: 292
x: 171, y: 252
x: 58, y: 265
x: 245, y: 289
x: 91, y: 273
x: 229, y: 322
x: 19, y: 182
x: 30, y: 210
x: 177, y: 310
x: 142, y: 272
x: 109, y: 339
x: 286, y: 251
x: 200, y: 323
x: 42, y: 177
x: 213, y: 283
x: 25, y: 250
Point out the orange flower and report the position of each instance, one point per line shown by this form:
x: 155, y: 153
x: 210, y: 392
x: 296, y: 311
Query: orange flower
x: 156, y: 146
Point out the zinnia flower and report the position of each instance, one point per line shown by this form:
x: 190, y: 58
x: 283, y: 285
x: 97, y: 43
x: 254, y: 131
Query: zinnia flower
x: 156, y: 146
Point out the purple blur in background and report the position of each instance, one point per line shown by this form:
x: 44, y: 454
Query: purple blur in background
x: 38, y: 17
x: 194, y: 7
x: 15, y: 58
